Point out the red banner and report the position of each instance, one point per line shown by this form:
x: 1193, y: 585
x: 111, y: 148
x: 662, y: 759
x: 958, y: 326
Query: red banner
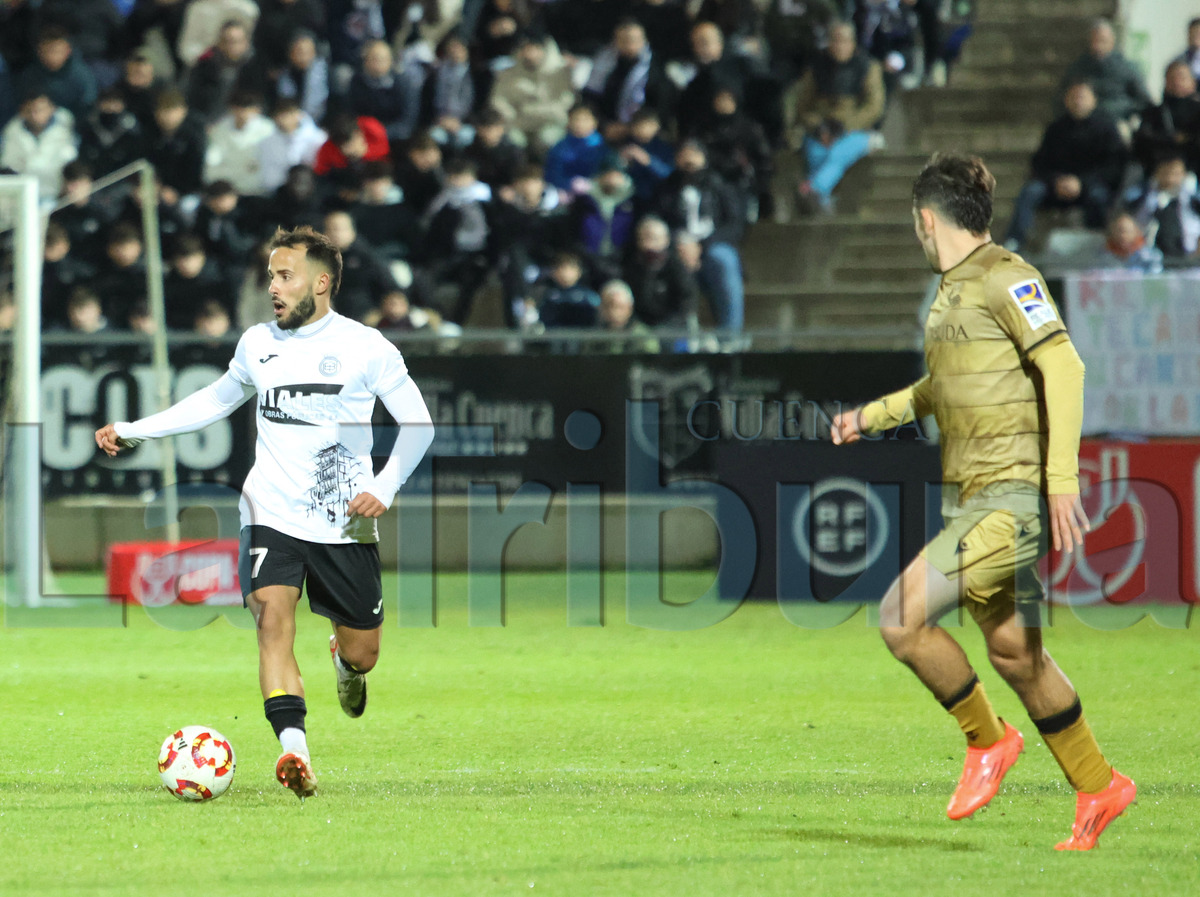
x: 159, y: 573
x: 1142, y: 548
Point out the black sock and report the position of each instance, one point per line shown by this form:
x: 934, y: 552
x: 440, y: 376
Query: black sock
x: 285, y: 712
x: 962, y: 694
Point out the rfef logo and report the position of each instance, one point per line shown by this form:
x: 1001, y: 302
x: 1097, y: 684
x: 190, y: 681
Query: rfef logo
x: 841, y: 527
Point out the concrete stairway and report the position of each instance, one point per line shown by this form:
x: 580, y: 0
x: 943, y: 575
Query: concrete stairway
x: 857, y: 278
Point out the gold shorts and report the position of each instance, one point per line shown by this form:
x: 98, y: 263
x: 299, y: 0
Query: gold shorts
x: 993, y: 541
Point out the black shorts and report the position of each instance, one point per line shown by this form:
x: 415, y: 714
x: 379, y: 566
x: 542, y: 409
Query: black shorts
x: 343, y: 578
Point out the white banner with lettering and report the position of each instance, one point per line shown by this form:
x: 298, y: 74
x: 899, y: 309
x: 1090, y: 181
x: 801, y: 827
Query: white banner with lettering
x: 1140, y: 339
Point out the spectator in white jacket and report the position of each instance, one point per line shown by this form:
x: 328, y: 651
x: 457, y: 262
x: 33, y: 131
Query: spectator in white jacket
x: 235, y: 144
x: 39, y: 141
x: 295, y: 141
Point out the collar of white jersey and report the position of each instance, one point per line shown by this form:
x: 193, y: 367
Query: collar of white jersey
x: 312, y: 329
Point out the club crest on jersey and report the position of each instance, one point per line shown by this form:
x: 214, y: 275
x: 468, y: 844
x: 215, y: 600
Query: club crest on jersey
x: 329, y: 366
x: 1033, y: 303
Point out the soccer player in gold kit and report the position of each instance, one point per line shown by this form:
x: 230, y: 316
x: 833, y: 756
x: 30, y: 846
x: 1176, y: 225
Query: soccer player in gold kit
x: 1006, y: 387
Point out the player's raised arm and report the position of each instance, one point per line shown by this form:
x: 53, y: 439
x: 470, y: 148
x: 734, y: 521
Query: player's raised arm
x: 892, y: 410
x: 197, y: 411
x: 205, y: 406
x: 110, y: 443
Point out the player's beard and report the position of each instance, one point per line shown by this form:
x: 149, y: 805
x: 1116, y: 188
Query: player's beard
x: 298, y: 317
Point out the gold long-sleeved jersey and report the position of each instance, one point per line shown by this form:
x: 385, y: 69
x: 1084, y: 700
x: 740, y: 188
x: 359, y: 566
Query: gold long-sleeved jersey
x: 988, y: 329
x: 992, y: 315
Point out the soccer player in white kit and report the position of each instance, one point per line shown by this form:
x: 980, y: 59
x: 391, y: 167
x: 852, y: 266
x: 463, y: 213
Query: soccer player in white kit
x: 309, y: 504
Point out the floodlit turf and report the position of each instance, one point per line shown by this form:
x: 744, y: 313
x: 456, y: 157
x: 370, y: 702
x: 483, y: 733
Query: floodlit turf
x: 752, y: 757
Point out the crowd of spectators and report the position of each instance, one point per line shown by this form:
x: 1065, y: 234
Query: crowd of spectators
x: 595, y: 162
x: 1126, y: 163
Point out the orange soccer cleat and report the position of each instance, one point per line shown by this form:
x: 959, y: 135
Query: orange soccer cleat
x: 294, y: 772
x: 983, y: 772
x: 1093, y: 812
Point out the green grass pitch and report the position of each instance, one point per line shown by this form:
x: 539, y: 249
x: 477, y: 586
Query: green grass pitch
x: 752, y: 757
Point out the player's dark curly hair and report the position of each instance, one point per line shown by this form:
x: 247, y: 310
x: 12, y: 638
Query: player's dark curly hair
x: 959, y: 187
x: 319, y: 248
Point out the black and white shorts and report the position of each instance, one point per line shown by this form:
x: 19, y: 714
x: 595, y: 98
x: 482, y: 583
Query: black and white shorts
x: 342, y: 578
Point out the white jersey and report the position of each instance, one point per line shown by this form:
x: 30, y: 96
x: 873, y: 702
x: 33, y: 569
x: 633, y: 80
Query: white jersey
x: 316, y: 389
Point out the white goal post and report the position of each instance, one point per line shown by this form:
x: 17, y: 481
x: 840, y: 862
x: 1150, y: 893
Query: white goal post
x: 22, y: 478
x: 20, y: 211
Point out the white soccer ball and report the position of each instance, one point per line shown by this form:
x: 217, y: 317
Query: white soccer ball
x: 196, y: 763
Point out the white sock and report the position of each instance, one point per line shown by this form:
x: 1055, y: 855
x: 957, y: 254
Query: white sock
x: 292, y: 741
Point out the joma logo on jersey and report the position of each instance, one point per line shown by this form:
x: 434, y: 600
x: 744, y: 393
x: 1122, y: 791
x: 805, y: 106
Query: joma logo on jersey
x: 304, y: 404
x: 943, y: 333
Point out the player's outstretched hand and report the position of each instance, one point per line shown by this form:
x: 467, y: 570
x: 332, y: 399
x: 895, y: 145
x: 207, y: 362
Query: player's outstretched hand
x: 366, y: 505
x: 845, y: 428
x: 110, y: 442
x: 1068, y: 522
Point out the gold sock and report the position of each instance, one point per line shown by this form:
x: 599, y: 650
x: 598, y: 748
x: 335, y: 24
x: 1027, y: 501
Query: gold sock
x: 1073, y: 745
x: 971, y: 707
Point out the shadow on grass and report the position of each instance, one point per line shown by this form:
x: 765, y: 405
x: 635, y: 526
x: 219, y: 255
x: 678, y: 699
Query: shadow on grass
x: 864, y: 839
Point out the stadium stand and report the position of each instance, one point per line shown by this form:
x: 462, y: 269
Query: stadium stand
x: 458, y: 66
x: 856, y: 272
